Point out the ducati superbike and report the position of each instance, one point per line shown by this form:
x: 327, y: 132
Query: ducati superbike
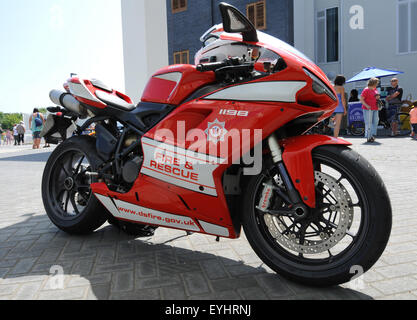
x: 310, y: 207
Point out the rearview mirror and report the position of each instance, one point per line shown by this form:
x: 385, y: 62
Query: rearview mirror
x: 235, y: 22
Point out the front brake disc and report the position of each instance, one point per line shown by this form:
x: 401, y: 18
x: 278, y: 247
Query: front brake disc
x: 323, y: 241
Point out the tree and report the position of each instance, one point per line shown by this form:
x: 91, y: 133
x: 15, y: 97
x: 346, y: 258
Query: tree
x: 8, y: 120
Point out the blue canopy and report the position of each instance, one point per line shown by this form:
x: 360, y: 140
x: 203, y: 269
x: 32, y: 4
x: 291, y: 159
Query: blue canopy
x: 373, y: 72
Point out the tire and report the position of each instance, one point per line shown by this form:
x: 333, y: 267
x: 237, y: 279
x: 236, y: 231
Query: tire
x: 66, y: 192
x: 367, y: 229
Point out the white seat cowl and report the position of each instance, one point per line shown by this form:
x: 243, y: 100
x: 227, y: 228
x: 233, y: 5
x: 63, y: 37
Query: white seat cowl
x: 114, y: 100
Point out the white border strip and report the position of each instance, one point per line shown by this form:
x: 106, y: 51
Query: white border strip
x: 214, y: 229
x: 131, y: 212
x: 274, y: 91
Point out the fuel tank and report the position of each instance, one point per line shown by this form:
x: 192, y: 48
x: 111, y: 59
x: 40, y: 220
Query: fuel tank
x: 173, y: 84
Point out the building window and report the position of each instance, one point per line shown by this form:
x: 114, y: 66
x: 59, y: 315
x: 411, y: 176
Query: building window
x: 256, y: 13
x: 407, y: 26
x: 178, y: 5
x: 327, y: 35
x: 182, y: 57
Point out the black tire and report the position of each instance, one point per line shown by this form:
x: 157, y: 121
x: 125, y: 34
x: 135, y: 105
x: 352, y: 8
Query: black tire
x: 366, y: 246
x: 65, y: 186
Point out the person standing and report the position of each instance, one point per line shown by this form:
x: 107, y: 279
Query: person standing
x: 2, y: 136
x: 15, y: 135
x: 9, y: 137
x: 369, y: 100
x: 413, y: 122
x: 341, y: 109
x: 21, y: 130
x: 354, y: 96
x: 36, y: 121
x: 395, y: 96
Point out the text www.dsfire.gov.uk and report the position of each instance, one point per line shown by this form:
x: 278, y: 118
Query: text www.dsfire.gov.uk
x: 156, y: 217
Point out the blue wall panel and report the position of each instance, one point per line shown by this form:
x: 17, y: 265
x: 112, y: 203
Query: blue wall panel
x: 185, y: 28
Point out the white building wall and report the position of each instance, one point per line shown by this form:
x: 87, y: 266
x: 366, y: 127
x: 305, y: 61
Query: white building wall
x: 375, y: 45
x: 303, y: 33
x: 145, y: 42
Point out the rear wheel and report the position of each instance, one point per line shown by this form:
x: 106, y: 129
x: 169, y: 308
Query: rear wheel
x: 66, y: 191
x: 350, y: 226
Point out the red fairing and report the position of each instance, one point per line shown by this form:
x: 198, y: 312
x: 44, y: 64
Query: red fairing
x: 173, y: 84
x: 298, y: 160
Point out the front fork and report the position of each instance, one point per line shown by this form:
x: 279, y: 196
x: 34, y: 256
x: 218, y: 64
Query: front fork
x: 298, y: 207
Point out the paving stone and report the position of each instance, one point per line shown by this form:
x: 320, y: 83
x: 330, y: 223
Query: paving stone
x: 7, y: 264
x: 66, y: 294
x: 255, y: 293
x: 114, y: 267
x: 174, y: 293
x: 274, y: 286
x: 82, y: 267
x: 159, y: 282
x: 106, y: 256
x: 233, y: 284
x: 218, y: 296
x: 78, y: 281
x: 397, y: 285
x: 146, y: 269
x: 49, y: 255
x: 123, y: 281
x: 196, y: 283
x: 175, y: 268
x: 153, y: 294
x: 244, y: 270
x: 28, y: 291
x: 398, y: 270
x: 99, y: 292
x: 8, y: 289
x: 214, y: 269
x: 23, y: 266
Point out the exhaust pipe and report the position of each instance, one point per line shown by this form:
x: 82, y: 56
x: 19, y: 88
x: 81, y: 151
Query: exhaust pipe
x: 67, y: 101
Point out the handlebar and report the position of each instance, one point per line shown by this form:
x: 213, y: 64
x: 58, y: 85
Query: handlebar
x: 213, y: 66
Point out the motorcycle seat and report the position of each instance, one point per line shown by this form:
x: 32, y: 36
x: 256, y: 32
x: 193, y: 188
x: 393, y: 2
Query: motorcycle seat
x: 114, y: 101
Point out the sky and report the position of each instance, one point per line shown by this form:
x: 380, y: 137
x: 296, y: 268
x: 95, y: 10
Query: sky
x: 43, y: 41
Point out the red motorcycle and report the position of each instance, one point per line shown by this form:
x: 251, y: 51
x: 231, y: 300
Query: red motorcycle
x: 216, y: 146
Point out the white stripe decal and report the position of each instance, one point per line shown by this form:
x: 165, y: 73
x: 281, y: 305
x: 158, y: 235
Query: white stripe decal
x: 214, y: 229
x: 278, y: 91
x: 180, y: 167
x: 128, y: 211
x: 173, y: 76
x: 81, y: 90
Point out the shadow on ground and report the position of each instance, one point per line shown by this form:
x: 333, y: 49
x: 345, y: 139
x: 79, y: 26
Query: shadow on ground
x: 40, y: 157
x: 111, y: 265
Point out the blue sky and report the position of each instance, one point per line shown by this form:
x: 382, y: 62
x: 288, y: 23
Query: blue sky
x: 43, y: 41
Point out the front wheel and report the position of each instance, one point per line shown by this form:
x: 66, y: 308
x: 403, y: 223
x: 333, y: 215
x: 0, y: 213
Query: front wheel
x: 66, y: 192
x: 348, y: 230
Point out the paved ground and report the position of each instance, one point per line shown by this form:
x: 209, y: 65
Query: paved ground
x: 111, y: 265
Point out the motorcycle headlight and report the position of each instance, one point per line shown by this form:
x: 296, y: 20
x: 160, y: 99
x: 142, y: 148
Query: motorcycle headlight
x: 319, y: 86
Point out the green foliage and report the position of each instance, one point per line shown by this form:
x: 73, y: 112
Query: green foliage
x: 8, y: 120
